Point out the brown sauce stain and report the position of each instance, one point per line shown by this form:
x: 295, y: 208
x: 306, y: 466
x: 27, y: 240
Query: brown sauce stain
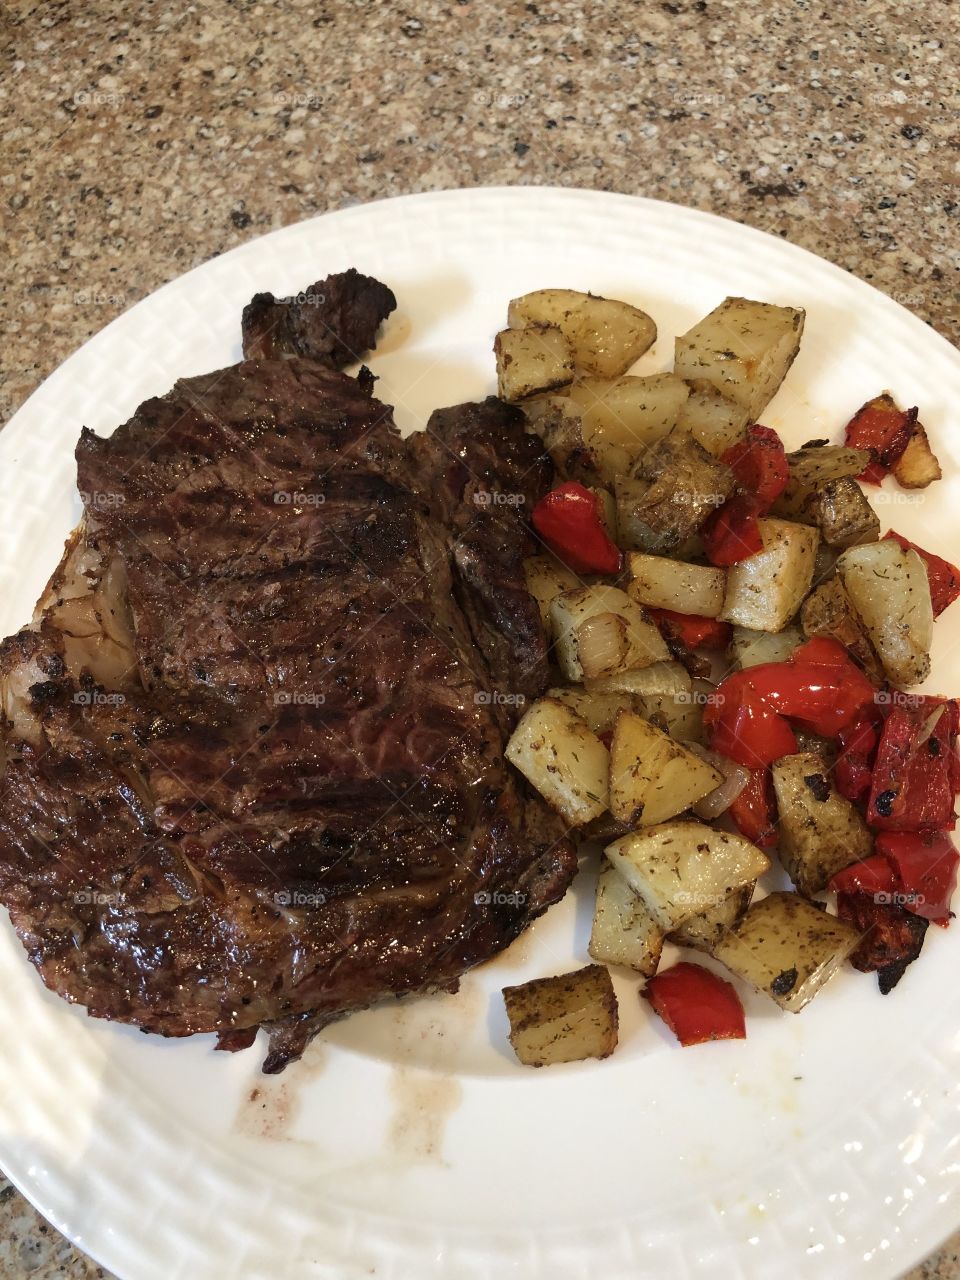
x: 422, y: 1105
x: 270, y: 1109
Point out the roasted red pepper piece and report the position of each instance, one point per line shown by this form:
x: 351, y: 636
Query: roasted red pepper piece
x: 873, y: 473
x: 857, y: 743
x: 885, y: 430
x: 917, y: 872
x: 732, y: 533
x: 569, y: 521
x: 696, y: 1005
x: 926, y: 868
x: 759, y: 462
x: 755, y: 810
x: 692, y: 630
x: 891, y: 940
x: 818, y: 685
x: 913, y: 785
x: 742, y: 728
x: 944, y: 577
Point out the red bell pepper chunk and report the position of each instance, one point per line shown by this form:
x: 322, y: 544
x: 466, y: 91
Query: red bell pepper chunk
x: 944, y: 577
x: 915, y: 871
x: 926, y: 866
x: 569, y: 521
x: 755, y: 810
x: 884, y: 429
x: 742, y: 728
x: 759, y: 462
x: 913, y: 785
x: 692, y: 630
x: 857, y: 743
x: 732, y: 533
x: 819, y: 685
x: 696, y: 1005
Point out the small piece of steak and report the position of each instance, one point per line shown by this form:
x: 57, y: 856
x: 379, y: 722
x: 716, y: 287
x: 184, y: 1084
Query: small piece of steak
x: 253, y: 774
x: 334, y: 321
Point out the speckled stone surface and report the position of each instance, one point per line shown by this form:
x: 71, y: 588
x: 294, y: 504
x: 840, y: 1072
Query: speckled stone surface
x: 141, y: 139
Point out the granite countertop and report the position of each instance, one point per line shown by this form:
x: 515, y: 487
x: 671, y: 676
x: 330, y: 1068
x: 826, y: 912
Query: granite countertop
x: 139, y: 140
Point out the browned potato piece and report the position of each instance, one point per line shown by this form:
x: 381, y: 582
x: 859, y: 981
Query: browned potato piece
x: 685, y: 486
x: 682, y: 869
x: 787, y: 948
x: 702, y: 932
x: 743, y: 349
x: 563, y: 1019
x: 713, y: 421
x: 917, y: 466
x: 623, y: 930
x: 632, y: 412
x: 653, y: 777
x: 598, y: 709
x: 661, y: 583
x: 750, y: 648
x: 812, y: 467
x: 827, y: 611
x: 821, y: 833
x: 530, y: 361
x: 842, y: 513
x: 606, y: 336
x: 889, y: 589
x: 765, y: 590
x: 558, y: 755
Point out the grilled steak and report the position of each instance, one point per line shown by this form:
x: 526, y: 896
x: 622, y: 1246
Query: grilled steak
x: 334, y: 321
x: 252, y: 759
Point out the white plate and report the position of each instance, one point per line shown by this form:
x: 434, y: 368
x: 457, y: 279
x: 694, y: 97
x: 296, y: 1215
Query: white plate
x: 408, y: 1142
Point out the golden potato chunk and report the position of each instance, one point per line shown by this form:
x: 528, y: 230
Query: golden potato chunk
x: 606, y: 336
x: 653, y: 777
x: 530, y: 361
x: 888, y: 588
x: 821, y: 833
x: 623, y: 930
x: 563, y: 1019
x: 766, y: 590
x: 558, y: 755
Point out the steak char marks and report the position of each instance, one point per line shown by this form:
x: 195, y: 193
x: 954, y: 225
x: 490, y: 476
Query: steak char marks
x: 253, y: 764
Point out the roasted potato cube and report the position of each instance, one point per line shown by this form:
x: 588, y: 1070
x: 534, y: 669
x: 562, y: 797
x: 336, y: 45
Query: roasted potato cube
x: 530, y: 361
x: 563, y: 1019
x: 682, y: 869
x: 820, y: 831
x: 642, y: 643
x: 652, y: 777
x: 672, y: 584
x: 662, y: 679
x: 679, y: 714
x: 559, y: 756
x: 827, y: 611
x: 631, y: 413
x: 811, y: 468
x: 787, y: 948
x: 751, y: 648
x: 743, y: 349
x: 623, y: 930
x: 606, y: 336
x: 546, y: 579
x: 702, y: 932
x: 918, y: 465
x: 888, y: 588
x: 766, y: 590
x: 713, y: 421
x: 553, y: 420
x: 842, y: 513
x: 685, y: 486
